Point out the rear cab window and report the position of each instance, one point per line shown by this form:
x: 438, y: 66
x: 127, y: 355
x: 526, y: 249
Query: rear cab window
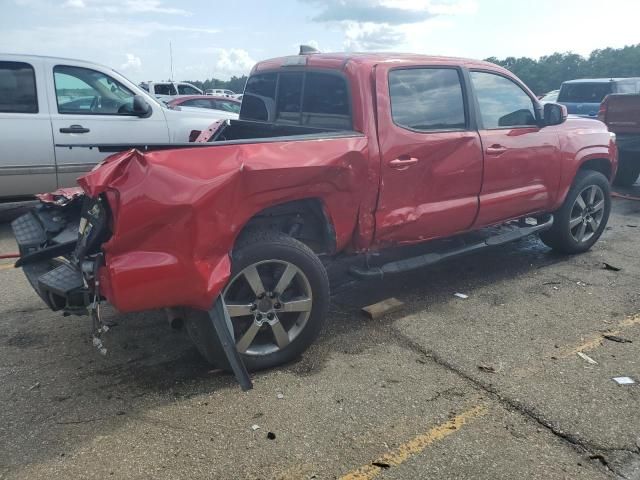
x: 164, y: 89
x: 310, y: 98
x: 18, y: 88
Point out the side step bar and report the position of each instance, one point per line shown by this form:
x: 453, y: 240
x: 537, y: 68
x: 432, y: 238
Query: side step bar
x: 407, y: 264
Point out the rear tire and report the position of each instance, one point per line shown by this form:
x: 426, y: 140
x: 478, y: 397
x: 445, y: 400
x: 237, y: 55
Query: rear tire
x: 628, y: 170
x: 576, y: 228
x: 276, y: 315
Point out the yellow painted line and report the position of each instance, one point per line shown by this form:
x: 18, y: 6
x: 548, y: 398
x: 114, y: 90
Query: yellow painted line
x: 6, y: 266
x: 415, y: 446
x: 594, y: 341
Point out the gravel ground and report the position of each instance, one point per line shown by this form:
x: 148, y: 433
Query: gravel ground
x: 485, y: 387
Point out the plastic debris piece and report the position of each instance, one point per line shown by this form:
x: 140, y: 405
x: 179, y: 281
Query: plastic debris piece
x: 461, y: 295
x: 271, y: 435
x: 615, y: 338
x: 587, y: 358
x: 280, y: 396
x: 255, y: 427
x: 379, y: 309
x: 624, y: 380
x: 34, y: 386
x: 608, y: 266
x: 487, y: 368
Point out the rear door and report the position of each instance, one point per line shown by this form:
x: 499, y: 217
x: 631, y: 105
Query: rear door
x: 431, y: 154
x: 521, y: 159
x: 27, y: 163
x: 89, y: 106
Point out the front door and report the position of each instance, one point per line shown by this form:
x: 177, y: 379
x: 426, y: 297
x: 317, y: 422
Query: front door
x: 521, y: 159
x: 431, y: 170
x: 92, y: 107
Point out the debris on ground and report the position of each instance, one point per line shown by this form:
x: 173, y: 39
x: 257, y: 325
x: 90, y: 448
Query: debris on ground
x: 608, y: 266
x: 615, y: 338
x: 280, y: 396
x: 624, y: 380
x: 461, y: 295
x: 379, y: 309
x: 271, y: 435
x: 587, y: 358
x: 581, y: 284
x: 34, y: 386
x: 255, y: 427
x: 487, y: 368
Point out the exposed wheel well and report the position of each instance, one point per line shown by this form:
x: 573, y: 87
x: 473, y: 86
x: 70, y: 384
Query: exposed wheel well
x: 601, y: 165
x: 304, y: 220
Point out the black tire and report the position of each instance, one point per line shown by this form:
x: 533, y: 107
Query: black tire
x: 253, y: 248
x: 628, y: 170
x: 560, y: 236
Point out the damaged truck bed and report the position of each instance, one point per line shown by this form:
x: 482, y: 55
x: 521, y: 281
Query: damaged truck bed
x: 332, y: 153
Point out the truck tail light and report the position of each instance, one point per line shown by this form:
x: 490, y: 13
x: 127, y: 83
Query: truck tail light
x: 602, y: 112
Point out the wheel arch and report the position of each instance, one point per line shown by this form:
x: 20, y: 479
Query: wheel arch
x: 306, y: 220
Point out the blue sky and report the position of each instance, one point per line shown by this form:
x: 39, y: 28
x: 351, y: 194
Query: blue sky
x: 215, y: 38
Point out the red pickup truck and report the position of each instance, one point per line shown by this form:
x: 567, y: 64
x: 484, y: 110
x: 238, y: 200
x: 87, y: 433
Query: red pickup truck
x: 332, y: 153
x: 621, y: 113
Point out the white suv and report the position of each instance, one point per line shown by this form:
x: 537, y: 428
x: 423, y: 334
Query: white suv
x: 47, y: 102
x: 219, y: 92
x: 168, y: 90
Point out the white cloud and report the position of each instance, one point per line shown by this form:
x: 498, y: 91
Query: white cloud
x: 133, y: 63
x: 361, y: 37
x: 233, y: 61
x: 123, y: 7
x: 74, y: 4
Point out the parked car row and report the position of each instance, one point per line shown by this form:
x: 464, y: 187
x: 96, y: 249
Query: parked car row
x: 49, y: 103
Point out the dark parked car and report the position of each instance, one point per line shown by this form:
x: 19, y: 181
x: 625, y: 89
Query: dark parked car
x: 583, y: 97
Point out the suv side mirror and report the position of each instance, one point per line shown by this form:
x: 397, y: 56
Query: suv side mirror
x: 554, y: 114
x: 140, y: 107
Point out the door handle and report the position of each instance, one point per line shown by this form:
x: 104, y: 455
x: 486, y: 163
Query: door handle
x: 496, y: 149
x: 403, y: 162
x: 74, y: 129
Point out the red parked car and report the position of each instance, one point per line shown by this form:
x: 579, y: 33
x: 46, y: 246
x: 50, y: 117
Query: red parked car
x: 332, y: 153
x: 207, y: 101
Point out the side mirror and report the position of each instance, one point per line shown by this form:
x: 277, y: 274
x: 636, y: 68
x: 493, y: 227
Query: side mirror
x: 140, y: 107
x: 554, y: 114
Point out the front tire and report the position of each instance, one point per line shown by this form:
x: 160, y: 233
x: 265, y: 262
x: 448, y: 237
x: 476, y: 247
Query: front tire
x: 277, y: 298
x: 583, y: 216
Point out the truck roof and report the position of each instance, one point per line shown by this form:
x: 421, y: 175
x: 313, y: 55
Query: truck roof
x: 339, y: 60
x: 18, y: 57
x: 600, y: 80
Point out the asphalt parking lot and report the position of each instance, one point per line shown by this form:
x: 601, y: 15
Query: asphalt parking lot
x: 490, y: 386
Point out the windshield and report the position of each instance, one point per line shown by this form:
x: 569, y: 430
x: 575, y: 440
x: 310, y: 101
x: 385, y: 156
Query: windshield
x: 584, y: 92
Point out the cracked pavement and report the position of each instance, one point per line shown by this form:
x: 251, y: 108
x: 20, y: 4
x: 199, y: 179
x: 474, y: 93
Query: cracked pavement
x: 386, y: 397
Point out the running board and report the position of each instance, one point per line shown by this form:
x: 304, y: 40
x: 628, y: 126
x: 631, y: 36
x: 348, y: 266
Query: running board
x: 413, y: 263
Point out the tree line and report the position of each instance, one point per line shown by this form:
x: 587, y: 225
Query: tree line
x: 548, y: 72
x: 236, y: 84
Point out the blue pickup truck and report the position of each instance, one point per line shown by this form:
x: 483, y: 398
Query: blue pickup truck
x: 583, y: 97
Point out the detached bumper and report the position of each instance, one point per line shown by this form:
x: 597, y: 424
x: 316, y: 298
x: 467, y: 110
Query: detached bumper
x: 46, y: 237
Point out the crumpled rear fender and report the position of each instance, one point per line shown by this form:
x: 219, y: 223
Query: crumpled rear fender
x: 177, y: 213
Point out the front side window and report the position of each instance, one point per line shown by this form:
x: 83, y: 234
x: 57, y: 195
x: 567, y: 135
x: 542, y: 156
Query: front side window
x: 197, y: 102
x: 89, y: 92
x: 427, y: 99
x: 502, y: 103
x: 187, y: 90
x: 232, y: 107
x: 17, y: 88
x: 259, y: 99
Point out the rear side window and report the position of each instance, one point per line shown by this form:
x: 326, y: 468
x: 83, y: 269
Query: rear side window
x: 326, y: 101
x: 503, y: 103
x: 187, y: 90
x: 164, y: 89
x: 427, y: 99
x: 628, y: 86
x: 17, y: 88
x: 259, y: 97
x: 584, y: 92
